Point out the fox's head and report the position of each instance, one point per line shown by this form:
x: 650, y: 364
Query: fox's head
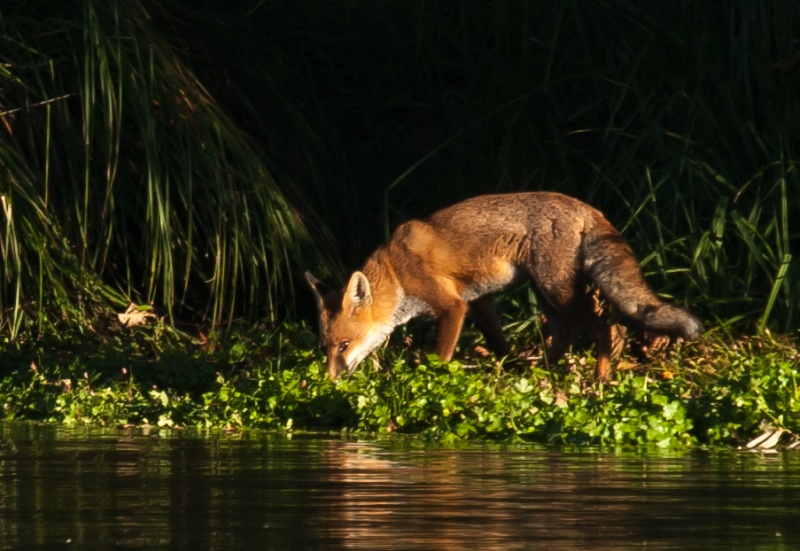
x: 348, y: 329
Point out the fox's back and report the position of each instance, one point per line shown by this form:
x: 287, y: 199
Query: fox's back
x: 485, y: 216
x: 485, y: 243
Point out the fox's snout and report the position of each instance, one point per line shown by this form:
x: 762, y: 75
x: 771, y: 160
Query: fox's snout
x: 337, y: 367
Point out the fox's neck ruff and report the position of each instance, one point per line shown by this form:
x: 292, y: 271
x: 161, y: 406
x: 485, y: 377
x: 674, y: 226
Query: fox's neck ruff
x: 388, y: 294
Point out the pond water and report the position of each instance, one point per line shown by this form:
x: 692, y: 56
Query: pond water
x: 90, y: 489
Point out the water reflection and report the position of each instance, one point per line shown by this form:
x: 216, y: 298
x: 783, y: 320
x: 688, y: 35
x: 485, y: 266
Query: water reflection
x: 90, y: 488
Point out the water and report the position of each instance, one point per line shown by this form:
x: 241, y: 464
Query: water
x: 91, y: 489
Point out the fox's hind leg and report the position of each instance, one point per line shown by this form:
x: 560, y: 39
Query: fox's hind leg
x: 580, y: 310
x: 586, y: 313
x: 568, y: 304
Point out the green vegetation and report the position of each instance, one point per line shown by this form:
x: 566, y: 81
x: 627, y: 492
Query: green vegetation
x: 198, y: 157
x: 709, y: 393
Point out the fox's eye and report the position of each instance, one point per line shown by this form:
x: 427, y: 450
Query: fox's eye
x: 343, y: 346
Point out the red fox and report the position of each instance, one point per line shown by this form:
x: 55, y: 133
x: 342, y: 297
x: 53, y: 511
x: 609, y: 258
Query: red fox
x: 453, y: 261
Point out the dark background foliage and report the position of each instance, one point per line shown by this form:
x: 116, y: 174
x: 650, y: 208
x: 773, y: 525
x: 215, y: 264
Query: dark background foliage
x: 199, y: 156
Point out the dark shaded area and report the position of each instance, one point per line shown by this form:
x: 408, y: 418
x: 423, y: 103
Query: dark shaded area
x: 377, y: 113
x: 232, y: 132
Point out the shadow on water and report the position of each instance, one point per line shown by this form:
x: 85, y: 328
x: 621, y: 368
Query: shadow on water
x: 93, y: 488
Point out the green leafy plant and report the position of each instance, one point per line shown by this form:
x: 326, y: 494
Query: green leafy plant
x: 711, y: 393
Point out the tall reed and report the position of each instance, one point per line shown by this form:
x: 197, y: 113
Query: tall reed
x: 126, y: 179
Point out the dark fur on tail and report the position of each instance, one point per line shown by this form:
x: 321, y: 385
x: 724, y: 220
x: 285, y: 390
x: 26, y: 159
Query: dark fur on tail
x: 611, y: 265
x: 674, y: 321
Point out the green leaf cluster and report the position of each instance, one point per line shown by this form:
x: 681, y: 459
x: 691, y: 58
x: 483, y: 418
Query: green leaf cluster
x: 711, y: 393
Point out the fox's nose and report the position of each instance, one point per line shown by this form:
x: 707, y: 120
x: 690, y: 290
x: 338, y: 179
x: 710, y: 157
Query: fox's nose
x: 335, y: 367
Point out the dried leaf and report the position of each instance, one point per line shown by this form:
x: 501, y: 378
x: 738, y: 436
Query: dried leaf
x: 135, y: 315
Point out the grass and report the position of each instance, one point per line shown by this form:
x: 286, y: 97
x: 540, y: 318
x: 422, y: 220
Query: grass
x: 125, y: 181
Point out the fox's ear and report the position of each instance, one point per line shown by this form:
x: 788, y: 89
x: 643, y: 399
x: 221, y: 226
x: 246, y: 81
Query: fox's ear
x: 358, y: 293
x: 320, y: 289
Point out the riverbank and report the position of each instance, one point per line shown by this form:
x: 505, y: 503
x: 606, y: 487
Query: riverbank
x: 716, y: 391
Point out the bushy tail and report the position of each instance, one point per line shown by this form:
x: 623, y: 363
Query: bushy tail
x: 611, y: 265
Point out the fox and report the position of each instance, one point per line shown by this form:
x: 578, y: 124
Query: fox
x: 454, y: 261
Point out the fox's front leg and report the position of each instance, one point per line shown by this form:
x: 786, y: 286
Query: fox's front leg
x: 450, y: 321
x: 486, y: 319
